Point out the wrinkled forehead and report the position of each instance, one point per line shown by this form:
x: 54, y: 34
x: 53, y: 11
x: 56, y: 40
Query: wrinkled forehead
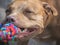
x: 26, y: 3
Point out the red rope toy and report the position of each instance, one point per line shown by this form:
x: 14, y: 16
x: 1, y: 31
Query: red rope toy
x: 8, y: 32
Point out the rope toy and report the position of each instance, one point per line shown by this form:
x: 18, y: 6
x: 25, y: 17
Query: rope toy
x: 8, y: 32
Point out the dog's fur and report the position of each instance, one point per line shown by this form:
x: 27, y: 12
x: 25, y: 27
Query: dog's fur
x: 32, y: 14
x: 56, y: 21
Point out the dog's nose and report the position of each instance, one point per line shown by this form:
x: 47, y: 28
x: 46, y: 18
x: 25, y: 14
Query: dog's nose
x: 10, y: 19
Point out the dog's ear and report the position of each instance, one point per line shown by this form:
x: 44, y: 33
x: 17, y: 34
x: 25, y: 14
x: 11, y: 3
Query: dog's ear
x: 50, y: 9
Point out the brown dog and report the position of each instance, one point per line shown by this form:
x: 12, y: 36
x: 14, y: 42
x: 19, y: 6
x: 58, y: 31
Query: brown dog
x: 31, y: 16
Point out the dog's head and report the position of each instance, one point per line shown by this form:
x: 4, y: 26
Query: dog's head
x: 31, y: 16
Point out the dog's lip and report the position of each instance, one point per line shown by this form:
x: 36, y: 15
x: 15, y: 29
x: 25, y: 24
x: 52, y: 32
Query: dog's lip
x: 26, y: 32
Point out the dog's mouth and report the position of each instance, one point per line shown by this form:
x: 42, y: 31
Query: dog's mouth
x: 25, y: 32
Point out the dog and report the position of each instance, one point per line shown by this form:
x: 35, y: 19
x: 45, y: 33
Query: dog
x: 33, y: 17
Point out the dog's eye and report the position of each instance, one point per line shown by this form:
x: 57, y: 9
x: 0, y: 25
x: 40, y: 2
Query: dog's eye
x: 8, y: 11
x: 27, y: 11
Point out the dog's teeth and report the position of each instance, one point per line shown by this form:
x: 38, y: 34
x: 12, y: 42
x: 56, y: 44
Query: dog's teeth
x: 24, y: 30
